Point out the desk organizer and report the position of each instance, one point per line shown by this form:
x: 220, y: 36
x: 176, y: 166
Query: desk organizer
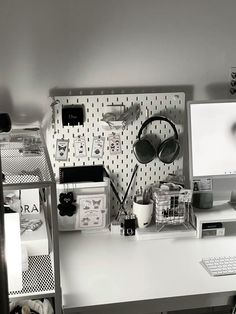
x: 92, y: 206
x: 172, y: 207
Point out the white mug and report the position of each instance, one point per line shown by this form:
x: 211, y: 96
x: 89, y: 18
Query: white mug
x: 143, y: 213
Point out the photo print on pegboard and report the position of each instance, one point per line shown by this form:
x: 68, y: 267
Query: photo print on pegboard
x: 98, y: 147
x: 114, y: 144
x: 80, y: 147
x: 62, y: 147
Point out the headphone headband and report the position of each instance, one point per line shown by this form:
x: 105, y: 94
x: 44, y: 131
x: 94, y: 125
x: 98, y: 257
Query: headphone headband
x: 157, y: 118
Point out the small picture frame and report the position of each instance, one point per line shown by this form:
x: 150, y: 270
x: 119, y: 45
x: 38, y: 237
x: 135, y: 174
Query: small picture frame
x: 204, y: 184
x: 114, y: 144
x: 91, y: 211
x: 62, y: 147
x: 98, y: 147
x: 80, y: 147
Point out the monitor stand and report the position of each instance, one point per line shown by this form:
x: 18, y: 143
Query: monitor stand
x: 222, y: 211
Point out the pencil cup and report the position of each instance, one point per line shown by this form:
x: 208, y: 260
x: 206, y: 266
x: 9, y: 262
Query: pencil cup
x: 143, y: 213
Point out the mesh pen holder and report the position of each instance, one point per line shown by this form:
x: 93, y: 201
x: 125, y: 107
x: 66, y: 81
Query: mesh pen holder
x: 172, y: 207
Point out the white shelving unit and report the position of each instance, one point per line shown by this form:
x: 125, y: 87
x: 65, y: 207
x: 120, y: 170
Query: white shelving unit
x: 26, y: 165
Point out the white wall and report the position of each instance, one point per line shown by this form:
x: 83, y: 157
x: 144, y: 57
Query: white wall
x: 101, y: 43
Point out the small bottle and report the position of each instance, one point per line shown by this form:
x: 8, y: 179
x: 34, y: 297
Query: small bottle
x: 129, y: 225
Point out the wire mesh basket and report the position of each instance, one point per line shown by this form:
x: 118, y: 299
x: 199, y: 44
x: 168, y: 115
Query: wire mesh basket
x: 24, y: 158
x: 172, y: 207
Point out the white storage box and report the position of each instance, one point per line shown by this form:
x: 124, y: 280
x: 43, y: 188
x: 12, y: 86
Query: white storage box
x: 91, y: 203
x: 36, y: 242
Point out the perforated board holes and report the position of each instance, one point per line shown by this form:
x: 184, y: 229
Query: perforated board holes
x: 128, y: 136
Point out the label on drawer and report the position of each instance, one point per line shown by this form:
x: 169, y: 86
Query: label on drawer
x: 202, y: 184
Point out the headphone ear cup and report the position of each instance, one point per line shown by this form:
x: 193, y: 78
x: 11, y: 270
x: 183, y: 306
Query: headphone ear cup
x: 168, y: 150
x: 144, y: 151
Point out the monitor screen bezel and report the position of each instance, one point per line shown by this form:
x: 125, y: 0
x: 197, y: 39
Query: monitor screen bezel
x: 190, y: 155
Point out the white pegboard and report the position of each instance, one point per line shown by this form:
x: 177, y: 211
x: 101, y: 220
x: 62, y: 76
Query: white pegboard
x: 171, y: 105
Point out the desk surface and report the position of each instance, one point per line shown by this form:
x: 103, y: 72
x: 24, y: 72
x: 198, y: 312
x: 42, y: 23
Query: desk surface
x: 100, y: 269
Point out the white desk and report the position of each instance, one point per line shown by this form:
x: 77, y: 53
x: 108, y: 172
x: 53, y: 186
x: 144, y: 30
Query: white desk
x: 104, y: 273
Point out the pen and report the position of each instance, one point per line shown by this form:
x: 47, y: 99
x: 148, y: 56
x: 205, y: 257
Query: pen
x: 113, y: 187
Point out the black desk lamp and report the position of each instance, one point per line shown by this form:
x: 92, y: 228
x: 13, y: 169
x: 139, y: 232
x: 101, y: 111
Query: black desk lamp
x: 5, y: 122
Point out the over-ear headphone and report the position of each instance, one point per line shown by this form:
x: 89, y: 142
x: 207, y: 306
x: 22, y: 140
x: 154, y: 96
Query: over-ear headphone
x: 145, y: 151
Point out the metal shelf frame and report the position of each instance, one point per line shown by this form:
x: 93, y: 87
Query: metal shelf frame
x: 26, y: 165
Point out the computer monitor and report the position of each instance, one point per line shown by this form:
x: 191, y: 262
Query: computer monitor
x: 212, y: 147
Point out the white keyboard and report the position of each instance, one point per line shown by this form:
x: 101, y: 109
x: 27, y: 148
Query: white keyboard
x: 220, y: 266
